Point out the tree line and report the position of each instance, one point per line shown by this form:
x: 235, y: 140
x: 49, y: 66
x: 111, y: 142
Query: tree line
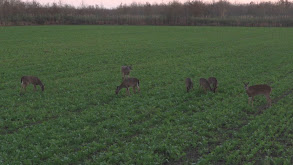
x: 196, y: 12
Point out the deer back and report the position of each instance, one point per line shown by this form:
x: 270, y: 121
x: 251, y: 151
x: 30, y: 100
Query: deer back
x: 262, y: 89
x: 130, y: 82
x: 203, y: 82
x: 214, y: 81
x: 31, y: 79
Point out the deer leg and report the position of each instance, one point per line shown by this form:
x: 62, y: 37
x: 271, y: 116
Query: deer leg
x: 252, y: 101
x: 137, y: 86
x: 127, y: 89
x: 269, y: 100
x: 35, y: 88
x: 23, y: 86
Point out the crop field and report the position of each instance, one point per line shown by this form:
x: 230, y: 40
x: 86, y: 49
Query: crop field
x: 79, y: 119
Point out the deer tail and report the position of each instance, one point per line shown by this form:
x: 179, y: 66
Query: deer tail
x: 138, y: 83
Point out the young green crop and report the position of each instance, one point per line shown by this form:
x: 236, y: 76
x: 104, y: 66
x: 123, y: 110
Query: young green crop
x: 80, y: 119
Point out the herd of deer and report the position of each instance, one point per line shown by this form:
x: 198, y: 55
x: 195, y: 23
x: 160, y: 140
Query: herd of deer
x: 127, y: 82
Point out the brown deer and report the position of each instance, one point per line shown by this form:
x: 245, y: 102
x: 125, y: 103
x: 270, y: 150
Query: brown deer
x: 26, y: 80
x: 128, y: 82
x: 205, y: 84
x: 125, y: 70
x: 188, y: 84
x: 262, y: 89
x: 214, y: 81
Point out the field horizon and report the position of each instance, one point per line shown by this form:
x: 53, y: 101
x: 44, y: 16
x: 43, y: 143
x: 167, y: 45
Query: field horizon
x: 79, y: 119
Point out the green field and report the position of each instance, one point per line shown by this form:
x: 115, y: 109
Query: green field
x: 78, y: 119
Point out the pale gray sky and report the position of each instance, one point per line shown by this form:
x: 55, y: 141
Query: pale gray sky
x: 115, y: 3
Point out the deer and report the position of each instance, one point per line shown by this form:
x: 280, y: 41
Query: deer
x: 261, y: 89
x: 214, y: 81
x: 188, y: 84
x: 205, y: 84
x: 125, y: 70
x: 26, y: 80
x: 128, y: 82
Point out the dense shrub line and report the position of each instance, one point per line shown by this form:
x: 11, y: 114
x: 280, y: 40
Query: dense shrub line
x: 195, y: 13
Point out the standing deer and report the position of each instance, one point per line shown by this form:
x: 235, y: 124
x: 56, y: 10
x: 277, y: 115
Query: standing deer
x: 128, y: 82
x: 205, y: 84
x: 188, y: 84
x: 214, y: 81
x: 262, y: 89
x: 26, y: 80
x: 125, y: 70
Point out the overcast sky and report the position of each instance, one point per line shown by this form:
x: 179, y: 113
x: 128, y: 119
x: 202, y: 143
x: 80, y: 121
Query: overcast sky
x: 115, y: 3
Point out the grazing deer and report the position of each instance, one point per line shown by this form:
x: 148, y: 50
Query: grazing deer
x: 128, y: 82
x: 262, y: 89
x: 214, y: 81
x: 125, y: 70
x: 205, y: 84
x: 188, y: 84
x: 26, y: 80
